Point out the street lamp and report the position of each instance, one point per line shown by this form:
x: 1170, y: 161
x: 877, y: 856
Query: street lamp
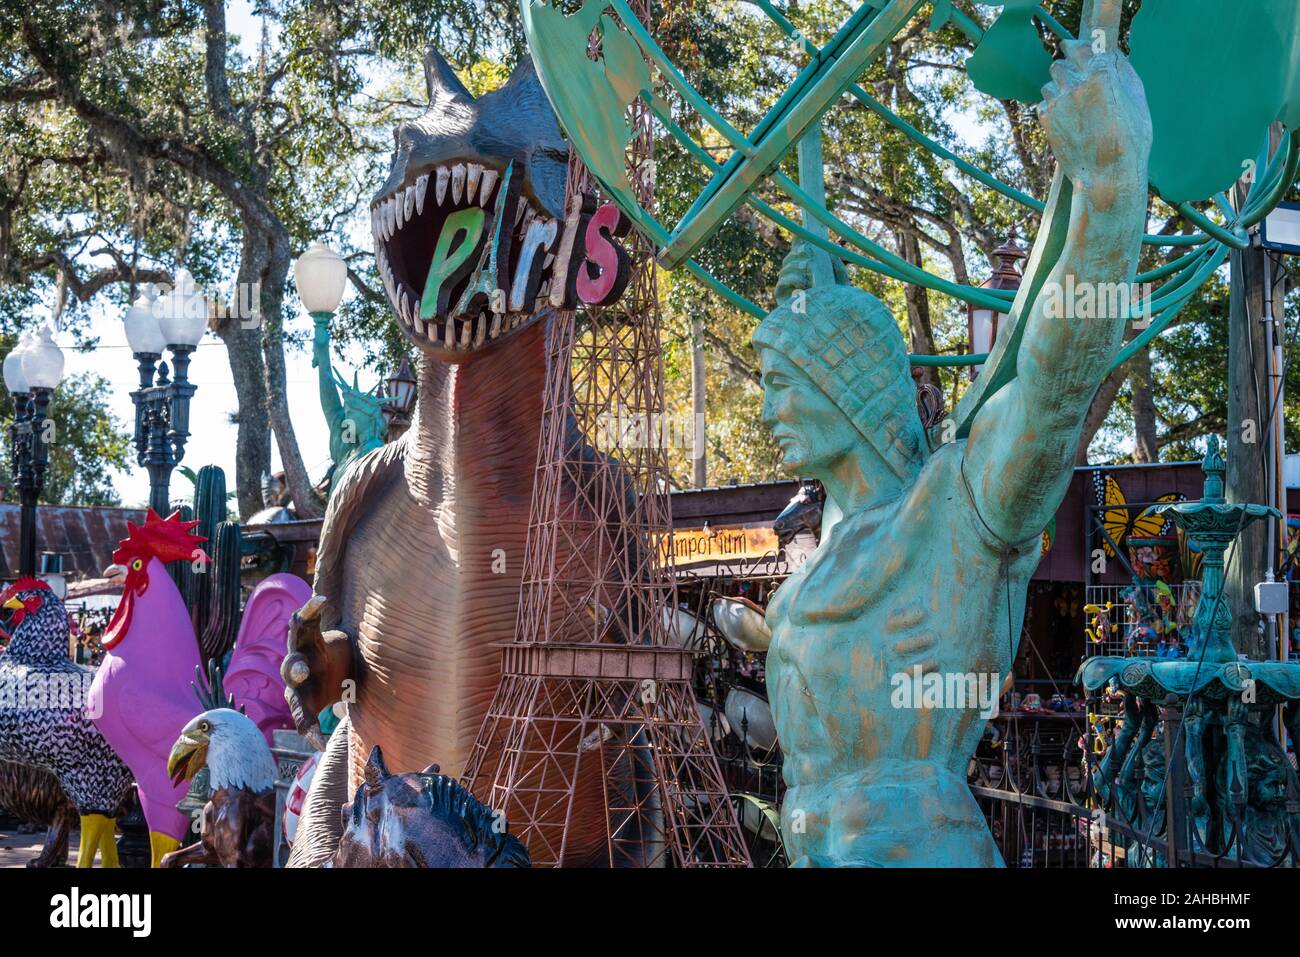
x: 31, y: 373
x: 175, y: 321
x: 398, y: 399
x: 321, y: 276
x: 981, y: 323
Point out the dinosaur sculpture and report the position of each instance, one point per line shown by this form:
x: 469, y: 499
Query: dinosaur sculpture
x: 423, y: 819
x: 420, y: 559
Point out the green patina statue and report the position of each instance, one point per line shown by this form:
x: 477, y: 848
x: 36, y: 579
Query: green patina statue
x: 355, y: 416
x: 928, y: 541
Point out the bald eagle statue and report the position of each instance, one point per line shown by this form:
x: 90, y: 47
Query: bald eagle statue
x: 238, y: 819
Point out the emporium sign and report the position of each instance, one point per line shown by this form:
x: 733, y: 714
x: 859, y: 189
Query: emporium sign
x: 689, y: 546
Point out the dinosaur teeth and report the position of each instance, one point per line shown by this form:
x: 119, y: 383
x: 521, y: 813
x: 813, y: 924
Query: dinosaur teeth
x: 421, y: 187
x: 480, y: 329
x: 485, y: 188
x: 495, y: 329
x: 457, y: 182
x: 546, y: 263
x: 403, y: 308
x: 390, y: 218
x: 421, y: 327
x: 444, y: 175
x: 466, y: 330
x: 451, y: 334
x: 519, y: 212
x: 408, y: 203
x: 473, y: 173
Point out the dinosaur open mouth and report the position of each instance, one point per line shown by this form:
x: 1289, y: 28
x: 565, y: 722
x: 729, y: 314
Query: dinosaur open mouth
x: 471, y: 203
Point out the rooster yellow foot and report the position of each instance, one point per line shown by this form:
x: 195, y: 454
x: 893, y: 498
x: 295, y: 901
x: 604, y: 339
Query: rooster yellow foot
x: 97, y: 835
x: 160, y: 844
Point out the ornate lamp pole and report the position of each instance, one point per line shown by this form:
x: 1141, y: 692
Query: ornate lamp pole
x: 981, y: 323
x: 399, y: 398
x: 175, y: 321
x: 321, y: 276
x: 31, y: 373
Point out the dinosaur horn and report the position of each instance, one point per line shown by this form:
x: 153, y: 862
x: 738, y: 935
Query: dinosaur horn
x: 376, y: 770
x: 440, y: 79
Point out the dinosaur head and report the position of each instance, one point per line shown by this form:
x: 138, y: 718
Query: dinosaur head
x: 470, y: 216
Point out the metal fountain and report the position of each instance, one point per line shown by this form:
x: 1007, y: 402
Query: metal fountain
x: 1199, y: 745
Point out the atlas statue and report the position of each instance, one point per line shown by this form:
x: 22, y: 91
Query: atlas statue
x: 928, y: 545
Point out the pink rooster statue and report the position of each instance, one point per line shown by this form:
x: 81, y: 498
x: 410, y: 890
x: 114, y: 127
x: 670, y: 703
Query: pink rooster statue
x: 143, y: 696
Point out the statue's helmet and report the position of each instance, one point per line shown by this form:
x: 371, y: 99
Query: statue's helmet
x: 848, y: 344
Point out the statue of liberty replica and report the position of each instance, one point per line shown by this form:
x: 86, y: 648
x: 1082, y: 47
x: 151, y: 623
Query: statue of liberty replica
x: 928, y: 541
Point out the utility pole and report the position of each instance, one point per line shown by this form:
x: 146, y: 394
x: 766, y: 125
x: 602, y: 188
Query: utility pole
x: 700, y: 474
x: 1255, y: 453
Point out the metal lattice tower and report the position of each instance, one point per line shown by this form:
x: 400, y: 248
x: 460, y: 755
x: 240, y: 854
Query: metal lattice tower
x: 593, y: 748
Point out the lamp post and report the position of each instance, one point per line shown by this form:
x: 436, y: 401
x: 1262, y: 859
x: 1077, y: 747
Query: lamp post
x: 321, y: 276
x: 399, y: 397
x: 174, y: 321
x: 31, y: 373
x: 981, y: 323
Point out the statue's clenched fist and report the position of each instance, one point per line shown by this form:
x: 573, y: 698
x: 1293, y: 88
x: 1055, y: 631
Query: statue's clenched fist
x: 1094, y: 111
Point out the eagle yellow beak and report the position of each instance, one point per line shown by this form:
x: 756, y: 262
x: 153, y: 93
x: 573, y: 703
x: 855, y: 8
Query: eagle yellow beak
x: 189, y: 754
x: 13, y: 604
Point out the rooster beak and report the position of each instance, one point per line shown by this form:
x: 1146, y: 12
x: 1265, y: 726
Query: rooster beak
x: 115, y: 573
x: 13, y: 604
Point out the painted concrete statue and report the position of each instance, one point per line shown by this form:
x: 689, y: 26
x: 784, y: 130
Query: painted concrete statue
x: 927, y: 547
x: 238, y: 820
x: 355, y: 416
x: 421, y: 554
x: 421, y: 819
x: 52, y: 731
x: 142, y: 696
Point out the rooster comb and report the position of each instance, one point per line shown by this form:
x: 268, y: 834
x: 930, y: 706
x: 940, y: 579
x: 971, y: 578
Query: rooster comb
x: 26, y: 583
x: 166, y: 539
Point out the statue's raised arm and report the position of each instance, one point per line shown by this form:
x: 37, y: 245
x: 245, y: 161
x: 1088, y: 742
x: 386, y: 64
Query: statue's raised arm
x: 1022, y: 440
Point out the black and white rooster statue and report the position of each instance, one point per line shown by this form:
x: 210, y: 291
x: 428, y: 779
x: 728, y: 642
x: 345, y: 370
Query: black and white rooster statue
x: 43, y: 722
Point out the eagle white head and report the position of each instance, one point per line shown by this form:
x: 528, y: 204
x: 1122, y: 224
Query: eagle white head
x: 229, y: 744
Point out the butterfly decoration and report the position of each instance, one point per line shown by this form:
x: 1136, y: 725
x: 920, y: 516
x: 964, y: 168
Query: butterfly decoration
x: 1122, y: 520
x: 1292, y: 563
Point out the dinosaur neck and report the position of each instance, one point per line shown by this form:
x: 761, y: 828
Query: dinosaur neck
x: 476, y: 425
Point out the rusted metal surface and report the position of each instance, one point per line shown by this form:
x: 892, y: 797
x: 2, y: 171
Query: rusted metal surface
x: 84, y: 535
x: 582, y: 660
